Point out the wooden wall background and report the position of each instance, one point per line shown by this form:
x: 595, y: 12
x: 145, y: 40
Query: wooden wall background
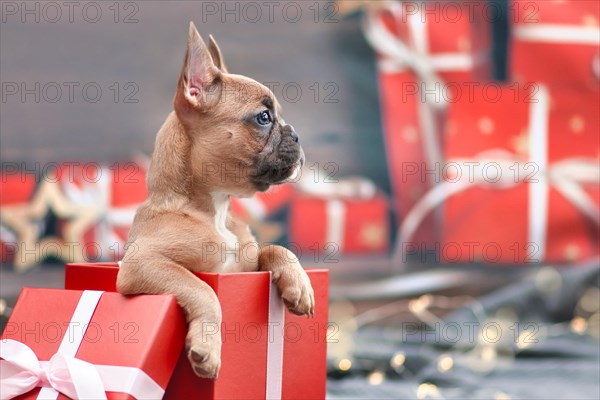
x: 149, y: 53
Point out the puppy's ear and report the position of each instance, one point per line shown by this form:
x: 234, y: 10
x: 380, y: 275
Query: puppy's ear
x: 200, y: 79
x: 216, y: 54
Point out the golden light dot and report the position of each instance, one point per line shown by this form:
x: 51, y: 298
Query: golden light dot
x: 590, y: 301
x: 427, y: 390
x: 488, y: 354
x: 373, y: 235
x: 464, y: 44
x: 398, y: 360
x: 501, y: 396
x: 344, y: 364
x: 2, y: 306
x: 419, y: 305
x: 576, y: 123
x: 410, y: 134
x: 445, y: 363
x: 548, y: 280
x: 594, y: 325
x: 507, y: 314
x: 376, y: 378
x: 590, y: 20
x: 578, y: 325
x: 486, y: 126
x: 571, y: 252
x: 525, y: 340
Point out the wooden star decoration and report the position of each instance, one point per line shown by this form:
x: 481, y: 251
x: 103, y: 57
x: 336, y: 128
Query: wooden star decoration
x: 25, y: 220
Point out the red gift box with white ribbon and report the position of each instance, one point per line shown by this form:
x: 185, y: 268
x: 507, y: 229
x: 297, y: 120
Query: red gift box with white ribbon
x: 90, y: 345
x: 522, y: 179
x: 556, y: 43
x: 267, y: 352
x: 113, y: 193
x: 330, y: 227
x: 428, y: 53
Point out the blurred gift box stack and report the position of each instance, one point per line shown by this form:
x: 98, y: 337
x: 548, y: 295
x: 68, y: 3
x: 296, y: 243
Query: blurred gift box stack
x: 482, y: 171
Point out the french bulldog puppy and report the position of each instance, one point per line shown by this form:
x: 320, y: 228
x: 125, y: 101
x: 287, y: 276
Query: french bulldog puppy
x: 224, y: 138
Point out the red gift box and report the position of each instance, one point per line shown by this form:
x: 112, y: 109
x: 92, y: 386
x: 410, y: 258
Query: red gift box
x: 521, y: 179
x: 267, y: 352
x: 90, y: 344
x: 428, y: 54
x: 556, y: 42
x: 330, y: 227
x: 263, y: 204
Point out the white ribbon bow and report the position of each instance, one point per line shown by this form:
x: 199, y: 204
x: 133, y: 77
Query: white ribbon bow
x: 21, y: 371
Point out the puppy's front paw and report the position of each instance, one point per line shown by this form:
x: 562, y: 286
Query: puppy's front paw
x: 297, y: 292
x: 204, y: 348
x: 205, y: 360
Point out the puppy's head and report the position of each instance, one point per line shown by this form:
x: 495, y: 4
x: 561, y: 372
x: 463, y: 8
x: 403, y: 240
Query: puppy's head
x: 239, y: 142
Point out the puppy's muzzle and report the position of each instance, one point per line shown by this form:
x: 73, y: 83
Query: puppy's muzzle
x: 289, y: 130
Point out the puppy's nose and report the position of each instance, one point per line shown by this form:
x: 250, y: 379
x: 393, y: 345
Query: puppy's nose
x: 288, y: 129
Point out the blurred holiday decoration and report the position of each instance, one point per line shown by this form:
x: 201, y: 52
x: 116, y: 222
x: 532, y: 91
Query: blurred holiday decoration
x: 422, y: 63
x: 447, y: 130
x: 339, y: 226
x: 556, y: 43
x: 333, y: 216
x: 523, y: 340
x: 534, y: 179
x: 74, y: 212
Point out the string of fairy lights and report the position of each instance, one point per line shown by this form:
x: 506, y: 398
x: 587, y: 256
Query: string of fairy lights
x: 482, y: 354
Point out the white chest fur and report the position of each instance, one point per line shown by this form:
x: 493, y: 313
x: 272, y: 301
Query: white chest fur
x: 228, y: 246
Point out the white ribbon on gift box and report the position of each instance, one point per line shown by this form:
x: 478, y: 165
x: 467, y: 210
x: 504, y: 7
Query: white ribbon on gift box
x: 555, y: 33
x: 21, y: 371
x: 402, y: 56
x: 275, y: 343
x: 399, y: 56
x: 561, y: 34
x: 566, y: 176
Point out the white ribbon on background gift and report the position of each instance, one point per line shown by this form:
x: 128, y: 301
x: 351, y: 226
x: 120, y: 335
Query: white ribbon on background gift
x: 335, y: 221
x: 21, y: 371
x: 555, y: 33
x: 561, y: 34
x: 566, y: 176
x: 98, y: 194
x: 400, y: 56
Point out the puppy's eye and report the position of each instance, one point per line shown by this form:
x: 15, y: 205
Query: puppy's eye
x: 264, y: 118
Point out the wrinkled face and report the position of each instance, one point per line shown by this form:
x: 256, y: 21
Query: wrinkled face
x: 239, y: 140
x: 280, y: 156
